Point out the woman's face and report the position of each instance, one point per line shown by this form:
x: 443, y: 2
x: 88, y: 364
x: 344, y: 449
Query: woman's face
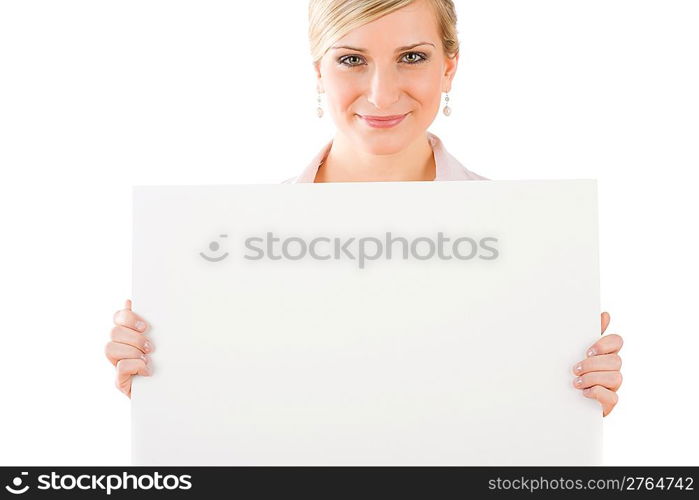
x: 393, y: 66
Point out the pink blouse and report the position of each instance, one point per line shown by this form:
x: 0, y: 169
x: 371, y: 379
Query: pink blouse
x: 448, y: 168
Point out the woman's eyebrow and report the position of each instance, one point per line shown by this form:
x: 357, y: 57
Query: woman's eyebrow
x: 399, y: 49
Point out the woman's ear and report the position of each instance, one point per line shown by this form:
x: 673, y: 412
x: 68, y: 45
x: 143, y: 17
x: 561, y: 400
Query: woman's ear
x: 319, y: 78
x: 450, y: 65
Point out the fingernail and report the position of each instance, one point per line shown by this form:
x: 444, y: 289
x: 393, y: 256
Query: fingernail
x: 578, y: 381
x: 591, y: 351
x: 144, y: 358
x: 578, y: 368
x: 146, y: 346
x: 140, y: 325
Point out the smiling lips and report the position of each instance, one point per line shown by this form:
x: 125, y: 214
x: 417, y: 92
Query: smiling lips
x: 383, y: 121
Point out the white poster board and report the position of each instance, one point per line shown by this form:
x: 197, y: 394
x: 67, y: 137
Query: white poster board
x: 323, y: 357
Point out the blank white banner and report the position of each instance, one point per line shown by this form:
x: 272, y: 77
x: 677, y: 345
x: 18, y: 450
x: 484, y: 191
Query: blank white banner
x: 374, y: 323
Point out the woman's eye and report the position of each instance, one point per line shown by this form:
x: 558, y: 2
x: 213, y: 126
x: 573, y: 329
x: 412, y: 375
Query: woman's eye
x: 351, y: 60
x: 414, y: 57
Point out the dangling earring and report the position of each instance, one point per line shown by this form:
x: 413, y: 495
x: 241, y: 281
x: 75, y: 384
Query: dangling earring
x: 319, y: 109
x: 447, y: 109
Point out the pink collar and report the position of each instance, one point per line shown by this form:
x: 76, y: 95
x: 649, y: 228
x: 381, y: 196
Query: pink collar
x: 448, y: 168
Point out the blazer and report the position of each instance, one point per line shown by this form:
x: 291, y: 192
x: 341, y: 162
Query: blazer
x: 448, y: 168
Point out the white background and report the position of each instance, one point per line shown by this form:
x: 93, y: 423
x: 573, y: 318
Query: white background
x: 97, y: 96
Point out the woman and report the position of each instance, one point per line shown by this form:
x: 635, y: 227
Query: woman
x: 383, y: 65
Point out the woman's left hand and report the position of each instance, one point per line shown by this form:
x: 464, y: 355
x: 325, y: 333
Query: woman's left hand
x: 599, y: 375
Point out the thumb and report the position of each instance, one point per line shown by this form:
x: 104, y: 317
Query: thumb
x: 605, y: 321
x: 127, y: 305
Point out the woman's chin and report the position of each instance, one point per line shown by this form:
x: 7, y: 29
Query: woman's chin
x: 384, y: 142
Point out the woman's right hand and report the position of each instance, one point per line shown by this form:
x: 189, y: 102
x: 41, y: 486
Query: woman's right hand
x: 128, y: 350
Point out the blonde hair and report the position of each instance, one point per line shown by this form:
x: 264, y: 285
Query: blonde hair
x: 330, y: 20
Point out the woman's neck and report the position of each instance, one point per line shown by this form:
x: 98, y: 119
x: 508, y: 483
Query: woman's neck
x: 345, y: 163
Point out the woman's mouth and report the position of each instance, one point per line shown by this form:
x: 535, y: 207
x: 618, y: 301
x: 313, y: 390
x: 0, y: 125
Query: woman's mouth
x: 383, y: 121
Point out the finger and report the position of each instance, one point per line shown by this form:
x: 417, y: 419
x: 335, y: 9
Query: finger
x: 135, y: 339
x: 127, y: 305
x: 125, y: 369
x: 605, y: 321
x: 116, y: 351
x: 606, y: 345
x: 126, y: 317
x: 608, y: 399
x: 611, y: 380
x: 602, y: 362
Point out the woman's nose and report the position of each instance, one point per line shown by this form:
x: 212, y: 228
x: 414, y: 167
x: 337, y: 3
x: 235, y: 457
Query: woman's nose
x: 384, y: 88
